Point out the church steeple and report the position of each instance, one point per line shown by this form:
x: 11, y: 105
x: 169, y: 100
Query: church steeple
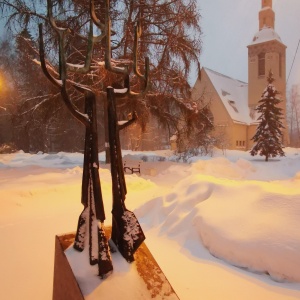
x: 266, y: 3
x: 266, y: 52
x: 266, y: 15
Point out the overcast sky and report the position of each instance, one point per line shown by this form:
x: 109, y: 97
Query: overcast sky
x: 228, y: 27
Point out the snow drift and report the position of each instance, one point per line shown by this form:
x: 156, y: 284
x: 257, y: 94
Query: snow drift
x: 243, y: 210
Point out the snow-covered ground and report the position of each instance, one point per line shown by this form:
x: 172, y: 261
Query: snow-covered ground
x: 221, y: 227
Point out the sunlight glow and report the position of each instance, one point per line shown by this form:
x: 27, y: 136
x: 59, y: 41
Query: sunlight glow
x: 1, y: 84
x: 276, y: 187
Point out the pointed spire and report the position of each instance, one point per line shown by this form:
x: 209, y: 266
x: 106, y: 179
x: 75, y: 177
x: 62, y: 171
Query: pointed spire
x: 266, y: 3
x: 266, y: 15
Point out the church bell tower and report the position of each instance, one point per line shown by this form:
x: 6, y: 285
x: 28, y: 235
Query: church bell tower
x: 266, y: 52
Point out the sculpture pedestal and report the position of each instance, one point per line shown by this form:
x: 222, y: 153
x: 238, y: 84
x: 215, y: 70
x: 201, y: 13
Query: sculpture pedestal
x: 150, y: 280
x: 65, y: 285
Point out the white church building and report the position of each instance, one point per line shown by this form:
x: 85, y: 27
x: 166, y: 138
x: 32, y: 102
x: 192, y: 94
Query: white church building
x: 232, y: 101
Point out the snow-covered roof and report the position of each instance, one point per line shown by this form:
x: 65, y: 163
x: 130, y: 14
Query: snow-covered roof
x: 234, y: 95
x: 264, y: 35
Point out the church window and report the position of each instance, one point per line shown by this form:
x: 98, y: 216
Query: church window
x: 280, y: 64
x: 261, y: 64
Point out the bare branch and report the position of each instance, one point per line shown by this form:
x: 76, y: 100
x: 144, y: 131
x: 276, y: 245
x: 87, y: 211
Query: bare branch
x: 61, y: 83
x: 129, y: 122
x: 96, y: 21
x: 53, y: 80
x: 137, y: 34
x: 108, y: 64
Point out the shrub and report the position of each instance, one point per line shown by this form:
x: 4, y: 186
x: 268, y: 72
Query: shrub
x: 8, y: 148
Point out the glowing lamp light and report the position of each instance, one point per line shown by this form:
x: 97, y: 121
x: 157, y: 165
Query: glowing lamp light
x: 4, y: 84
x: 1, y: 84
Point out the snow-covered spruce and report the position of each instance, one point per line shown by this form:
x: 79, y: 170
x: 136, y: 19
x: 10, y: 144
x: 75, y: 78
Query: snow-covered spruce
x: 268, y: 136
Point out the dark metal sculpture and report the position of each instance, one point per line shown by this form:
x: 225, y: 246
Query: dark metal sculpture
x: 91, y: 196
x: 126, y: 231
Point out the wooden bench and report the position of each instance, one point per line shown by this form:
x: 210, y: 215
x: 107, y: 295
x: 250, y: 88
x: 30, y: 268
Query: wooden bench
x: 131, y: 167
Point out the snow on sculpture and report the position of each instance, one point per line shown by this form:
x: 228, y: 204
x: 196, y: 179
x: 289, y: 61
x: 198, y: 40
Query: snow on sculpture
x: 126, y: 230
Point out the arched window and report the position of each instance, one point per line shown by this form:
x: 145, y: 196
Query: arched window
x: 261, y: 64
x: 280, y: 64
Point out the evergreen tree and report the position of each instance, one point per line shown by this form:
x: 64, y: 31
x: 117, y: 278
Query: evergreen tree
x: 268, y: 136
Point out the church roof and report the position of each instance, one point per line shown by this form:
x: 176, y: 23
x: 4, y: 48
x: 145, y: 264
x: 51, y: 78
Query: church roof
x: 264, y: 35
x: 234, y: 95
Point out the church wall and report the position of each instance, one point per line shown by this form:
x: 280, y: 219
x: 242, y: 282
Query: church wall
x: 239, y: 137
x: 250, y: 134
x: 275, y: 52
x: 205, y: 88
x: 226, y: 131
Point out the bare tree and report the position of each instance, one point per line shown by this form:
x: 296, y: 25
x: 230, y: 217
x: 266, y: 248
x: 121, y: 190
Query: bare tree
x: 294, y: 116
x: 170, y: 38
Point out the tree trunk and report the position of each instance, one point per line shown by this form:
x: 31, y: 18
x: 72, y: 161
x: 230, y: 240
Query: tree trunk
x: 107, y: 151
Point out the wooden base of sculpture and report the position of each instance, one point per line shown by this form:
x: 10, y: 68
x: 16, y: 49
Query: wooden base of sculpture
x: 66, y: 287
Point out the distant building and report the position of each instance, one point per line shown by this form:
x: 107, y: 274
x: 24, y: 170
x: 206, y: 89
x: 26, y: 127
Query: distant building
x: 233, y: 102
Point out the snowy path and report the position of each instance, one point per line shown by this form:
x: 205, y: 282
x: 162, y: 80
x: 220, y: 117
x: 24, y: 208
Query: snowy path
x: 27, y: 259
x: 196, y: 274
x: 38, y: 202
x: 27, y: 268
